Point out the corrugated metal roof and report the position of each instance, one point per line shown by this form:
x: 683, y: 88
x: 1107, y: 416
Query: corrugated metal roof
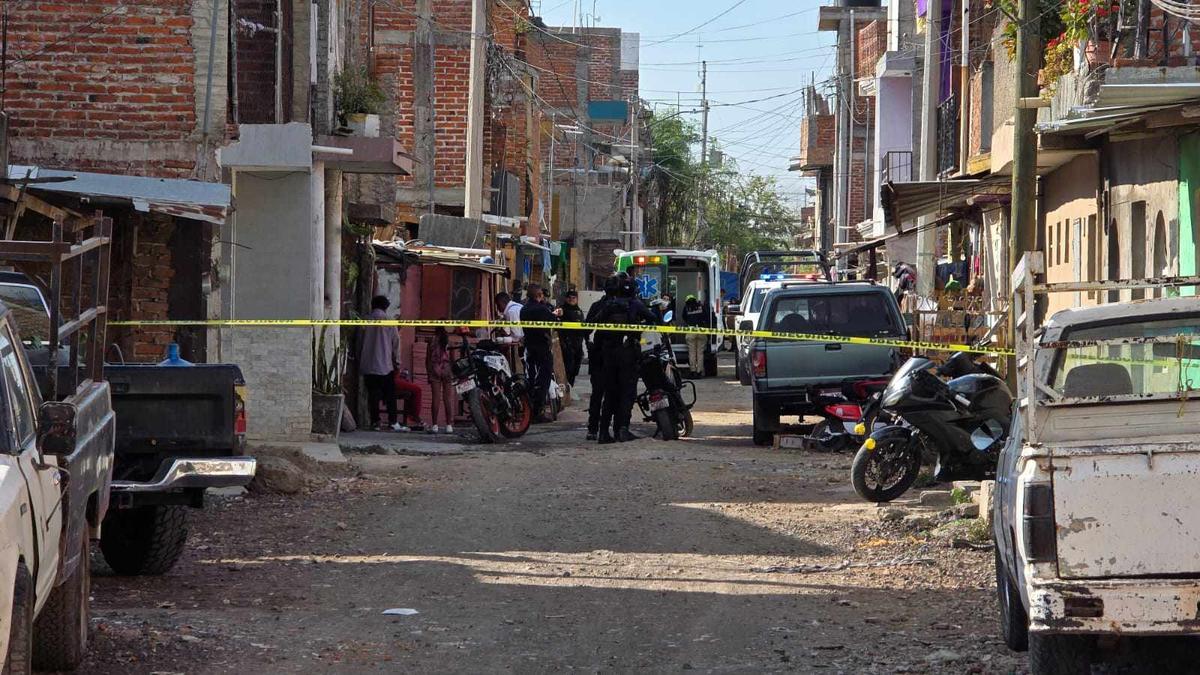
x: 195, y: 200
x: 453, y: 257
x: 1121, y: 103
x: 903, y: 202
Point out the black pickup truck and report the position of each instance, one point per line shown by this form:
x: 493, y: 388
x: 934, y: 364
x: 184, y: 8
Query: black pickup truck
x: 179, y: 431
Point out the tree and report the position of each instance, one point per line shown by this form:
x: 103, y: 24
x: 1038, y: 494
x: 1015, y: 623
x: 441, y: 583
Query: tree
x: 743, y: 211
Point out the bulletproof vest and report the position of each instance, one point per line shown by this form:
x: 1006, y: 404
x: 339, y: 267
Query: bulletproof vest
x: 620, y: 311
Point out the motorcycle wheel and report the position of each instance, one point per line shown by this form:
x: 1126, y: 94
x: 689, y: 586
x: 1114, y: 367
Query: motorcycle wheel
x: 483, y: 414
x: 519, y: 422
x: 685, y: 424
x: 885, y: 473
x: 666, y: 424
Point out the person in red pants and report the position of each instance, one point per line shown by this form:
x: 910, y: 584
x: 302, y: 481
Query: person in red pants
x: 410, y: 393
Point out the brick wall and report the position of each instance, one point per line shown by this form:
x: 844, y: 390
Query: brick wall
x: 103, y: 88
x: 869, y: 45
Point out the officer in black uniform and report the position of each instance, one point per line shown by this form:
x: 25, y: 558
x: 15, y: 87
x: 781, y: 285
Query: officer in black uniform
x: 595, y: 347
x: 620, y: 357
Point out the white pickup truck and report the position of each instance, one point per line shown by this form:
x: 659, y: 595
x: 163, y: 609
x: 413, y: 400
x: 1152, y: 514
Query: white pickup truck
x: 55, y: 472
x: 1096, y: 517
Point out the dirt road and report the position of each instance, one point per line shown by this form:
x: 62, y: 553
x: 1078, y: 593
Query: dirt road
x: 559, y: 555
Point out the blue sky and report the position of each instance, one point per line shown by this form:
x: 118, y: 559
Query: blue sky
x: 759, y: 53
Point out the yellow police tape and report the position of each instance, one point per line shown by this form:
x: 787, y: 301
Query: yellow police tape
x: 575, y: 325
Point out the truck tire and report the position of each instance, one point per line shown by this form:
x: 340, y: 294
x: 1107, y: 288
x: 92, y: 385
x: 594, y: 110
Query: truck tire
x: 145, y: 540
x: 743, y: 370
x: 60, y: 634
x: 766, y: 423
x: 710, y: 364
x: 1060, y: 654
x: 19, y: 660
x: 1014, y: 621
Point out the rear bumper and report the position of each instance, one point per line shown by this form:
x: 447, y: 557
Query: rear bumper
x: 180, y: 473
x: 1124, y: 606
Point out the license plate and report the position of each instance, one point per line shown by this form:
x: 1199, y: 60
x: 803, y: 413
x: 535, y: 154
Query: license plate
x: 464, y: 386
x: 659, y: 404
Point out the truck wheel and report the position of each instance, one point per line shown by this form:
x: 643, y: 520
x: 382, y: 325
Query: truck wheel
x: 710, y: 364
x: 146, y: 540
x: 19, y: 660
x: 1014, y: 621
x: 766, y: 423
x: 61, y: 633
x: 1060, y: 654
x: 743, y: 371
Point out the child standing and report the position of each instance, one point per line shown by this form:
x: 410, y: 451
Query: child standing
x: 437, y: 365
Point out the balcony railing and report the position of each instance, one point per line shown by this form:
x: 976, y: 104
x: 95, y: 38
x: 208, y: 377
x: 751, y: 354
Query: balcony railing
x: 947, y: 136
x: 897, y: 166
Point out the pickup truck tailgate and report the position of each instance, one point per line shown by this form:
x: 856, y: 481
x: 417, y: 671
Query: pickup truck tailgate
x: 801, y: 364
x: 1128, y: 513
x: 163, y: 408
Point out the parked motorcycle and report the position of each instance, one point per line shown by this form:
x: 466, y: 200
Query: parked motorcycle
x: 497, y: 400
x: 662, y: 400
x: 962, y: 423
x: 843, y: 410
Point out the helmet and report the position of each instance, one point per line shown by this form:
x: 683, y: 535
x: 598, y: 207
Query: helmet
x: 612, y: 285
x: 628, y: 287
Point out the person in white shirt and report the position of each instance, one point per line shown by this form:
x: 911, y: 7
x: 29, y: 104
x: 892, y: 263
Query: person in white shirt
x: 509, y: 311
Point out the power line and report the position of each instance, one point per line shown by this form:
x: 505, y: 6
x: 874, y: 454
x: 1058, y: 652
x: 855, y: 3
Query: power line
x: 692, y: 30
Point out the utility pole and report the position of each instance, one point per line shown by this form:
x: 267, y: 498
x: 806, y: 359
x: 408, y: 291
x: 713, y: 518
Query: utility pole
x: 926, y: 235
x: 1022, y: 230
x: 634, y: 177
x: 703, y: 149
x: 473, y: 198
x: 841, y: 153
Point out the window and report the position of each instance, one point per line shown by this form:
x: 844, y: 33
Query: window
x: 756, y: 300
x: 1137, y: 242
x: 29, y: 312
x: 1093, y: 254
x: 1131, y: 369
x: 1049, y: 243
x: 985, y: 110
x: 464, y: 299
x: 20, y: 396
x: 849, y: 314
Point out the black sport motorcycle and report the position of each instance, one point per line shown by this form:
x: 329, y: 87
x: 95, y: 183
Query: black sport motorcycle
x: 962, y: 423
x: 497, y: 400
x: 662, y: 401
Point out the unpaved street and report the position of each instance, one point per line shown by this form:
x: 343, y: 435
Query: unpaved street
x: 707, y: 555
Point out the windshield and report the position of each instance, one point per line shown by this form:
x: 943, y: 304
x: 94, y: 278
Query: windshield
x: 1131, y: 369
x: 847, y: 314
x: 901, y: 382
x: 28, y: 311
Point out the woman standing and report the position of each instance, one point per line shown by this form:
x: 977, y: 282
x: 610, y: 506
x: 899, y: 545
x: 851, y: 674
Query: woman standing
x: 437, y: 365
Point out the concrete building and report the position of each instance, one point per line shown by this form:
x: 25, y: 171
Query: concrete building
x: 154, y: 90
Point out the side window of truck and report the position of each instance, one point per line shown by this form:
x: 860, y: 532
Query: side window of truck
x: 21, y: 399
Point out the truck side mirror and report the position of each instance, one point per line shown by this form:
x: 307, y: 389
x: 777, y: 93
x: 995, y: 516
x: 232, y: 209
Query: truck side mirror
x: 56, y: 429
x: 746, y: 325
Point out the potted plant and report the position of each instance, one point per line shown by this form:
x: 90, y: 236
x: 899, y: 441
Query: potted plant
x: 360, y: 99
x: 327, y: 397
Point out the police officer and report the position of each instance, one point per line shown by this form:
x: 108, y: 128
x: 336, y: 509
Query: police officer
x: 621, y: 359
x: 596, y: 360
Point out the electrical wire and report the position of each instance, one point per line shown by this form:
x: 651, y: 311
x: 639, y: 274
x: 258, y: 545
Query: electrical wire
x: 692, y: 30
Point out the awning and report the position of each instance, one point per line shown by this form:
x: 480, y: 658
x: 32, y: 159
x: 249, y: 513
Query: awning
x: 477, y: 259
x: 195, y: 200
x: 907, y: 201
x: 1118, y: 105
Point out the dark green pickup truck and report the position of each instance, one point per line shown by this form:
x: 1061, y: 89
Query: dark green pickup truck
x: 789, y: 375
